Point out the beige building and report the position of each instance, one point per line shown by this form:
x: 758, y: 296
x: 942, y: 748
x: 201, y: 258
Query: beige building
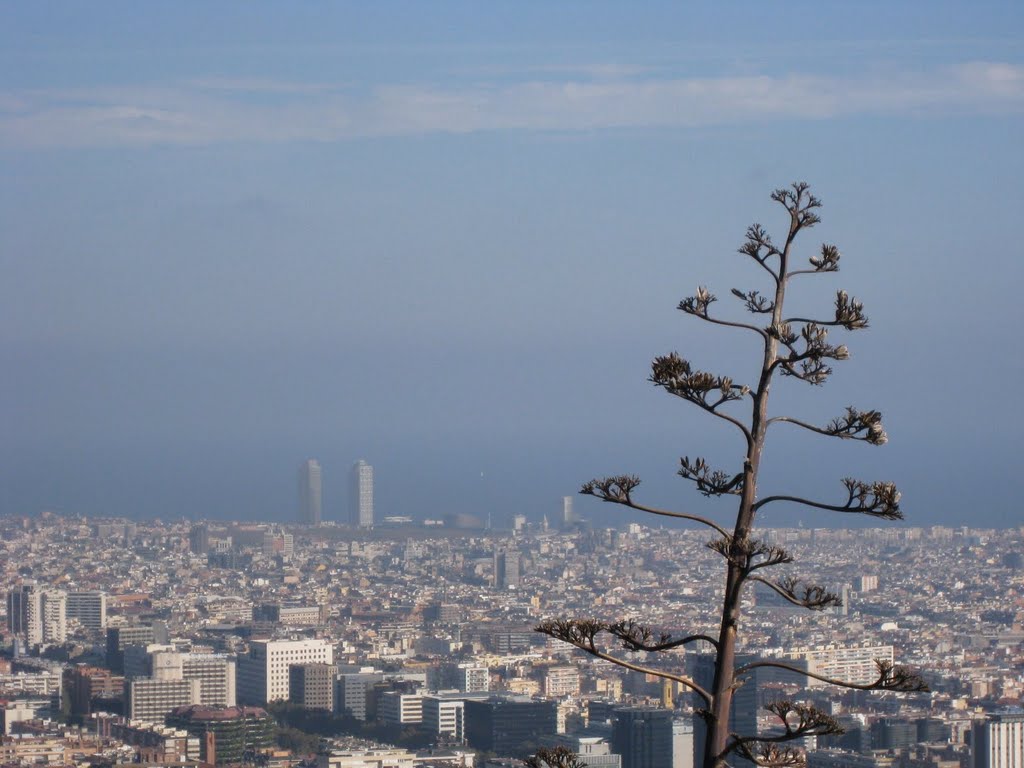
x: 263, y: 675
x: 851, y: 664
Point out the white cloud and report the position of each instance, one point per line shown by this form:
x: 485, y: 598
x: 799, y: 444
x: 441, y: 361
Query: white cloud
x: 220, y: 110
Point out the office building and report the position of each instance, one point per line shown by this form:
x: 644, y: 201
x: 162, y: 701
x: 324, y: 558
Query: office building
x: 263, y: 674
x: 215, y: 673
x: 561, y: 681
x: 643, y: 737
x: 88, y: 689
x: 199, y: 539
x: 276, y: 542
x: 119, y: 638
x: 398, y: 708
x: 682, y: 744
x: 466, y: 677
x: 89, y: 609
x: 54, y: 605
x: 289, y: 615
x: 998, y: 742
x: 851, y: 664
x: 151, y: 699
x: 311, y: 686
x: 506, y: 569
x: 310, y: 493
x: 351, y: 693
x: 24, y: 613
x: 444, y: 714
x: 568, y: 516
x: 37, y: 615
x: 360, y: 500
x: 508, y: 725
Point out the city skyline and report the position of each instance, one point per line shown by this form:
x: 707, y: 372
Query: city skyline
x: 454, y: 238
x: 386, y: 385
x: 360, y: 501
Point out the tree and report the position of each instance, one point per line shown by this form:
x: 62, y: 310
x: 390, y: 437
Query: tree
x: 794, y: 347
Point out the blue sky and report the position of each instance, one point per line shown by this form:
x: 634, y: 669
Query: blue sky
x: 448, y: 238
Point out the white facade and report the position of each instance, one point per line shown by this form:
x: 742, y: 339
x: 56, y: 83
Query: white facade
x: 853, y: 664
x: 37, y: 615
x: 55, y: 616
x: 150, y: 700
x: 682, y: 744
x: 216, y: 675
x: 401, y: 708
x: 263, y: 674
x: 361, y: 495
x: 561, y: 681
x: 370, y: 758
x: 999, y: 742
x: 444, y: 717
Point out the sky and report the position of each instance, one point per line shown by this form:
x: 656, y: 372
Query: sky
x: 448, y: 238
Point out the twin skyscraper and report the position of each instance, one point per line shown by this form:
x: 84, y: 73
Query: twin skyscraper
x: 360, y: 494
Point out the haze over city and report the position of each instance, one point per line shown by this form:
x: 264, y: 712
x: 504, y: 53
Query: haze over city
x: 450, y: 241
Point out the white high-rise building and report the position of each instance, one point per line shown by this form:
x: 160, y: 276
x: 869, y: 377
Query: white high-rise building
x: 444, y: 715
x: 214, y: 672
x: 263, y: 675
x: 55, y: 616
x: 998, y: 742
x: 400, y: 708
x: 852, y: 664
x: 25, y: 612
x: 37, y: 615
x: 360, y: 490
x: 151, y: 699
x: 310, y: 493
x: 568, y: 516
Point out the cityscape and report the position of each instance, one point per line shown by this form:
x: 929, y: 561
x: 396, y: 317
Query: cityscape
x: 392, y: 643
x: 511, y: 385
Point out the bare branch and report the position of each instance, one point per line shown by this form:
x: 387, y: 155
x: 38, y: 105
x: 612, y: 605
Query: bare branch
x: 707, y: 391
x: 802, y: 720
x: 827, y: 262
x: 800, y: 203
x: 811, y: 596
x: 637, y: 637
x: 878, y: 499
x: 773, y: 756
x: 755, y: 302
x: 890, y: 677
x: 698, y: 307
x: 710, y: 482
x: 618, y: 490
x: 676, y: 376
x: 555, y: 757
x: 849, y: 314
x: 582, y: 633
x: 853, y: 425
x: 816, y: 349
x: 759, y: 247
x: 798, y: 721
x: 749, y: 555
